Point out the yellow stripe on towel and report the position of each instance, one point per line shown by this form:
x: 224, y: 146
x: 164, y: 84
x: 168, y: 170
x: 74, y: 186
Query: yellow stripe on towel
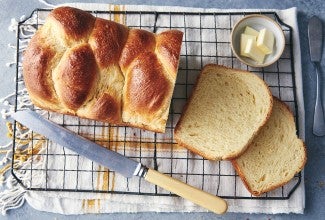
x: 118, y: 17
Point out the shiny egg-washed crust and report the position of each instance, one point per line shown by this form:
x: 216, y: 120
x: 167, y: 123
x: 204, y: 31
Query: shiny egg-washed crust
x: 99, y: 69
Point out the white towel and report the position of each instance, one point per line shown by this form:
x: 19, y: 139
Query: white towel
x: 57, y: 166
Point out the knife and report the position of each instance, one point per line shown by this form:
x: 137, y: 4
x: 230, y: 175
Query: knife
x: 315, y: 36
x: 117, y: 162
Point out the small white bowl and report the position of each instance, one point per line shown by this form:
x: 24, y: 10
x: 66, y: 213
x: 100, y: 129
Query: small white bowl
x: 258, y: 22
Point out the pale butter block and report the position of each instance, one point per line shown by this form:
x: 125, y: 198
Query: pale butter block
x: 251, y: 31
x: 265, y: 41
x: 243, y: 42
x: 253, y: 51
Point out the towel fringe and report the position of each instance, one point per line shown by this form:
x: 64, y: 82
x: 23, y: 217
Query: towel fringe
x: 12, y: 198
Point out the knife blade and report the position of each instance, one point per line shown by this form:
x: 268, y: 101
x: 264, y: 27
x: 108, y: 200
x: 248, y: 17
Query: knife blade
x: 116, y: 161
x: 82, y: 146
x: 315, y: 36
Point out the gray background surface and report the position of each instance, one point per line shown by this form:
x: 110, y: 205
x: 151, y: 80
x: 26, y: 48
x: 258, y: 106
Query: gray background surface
x: 315, y: 167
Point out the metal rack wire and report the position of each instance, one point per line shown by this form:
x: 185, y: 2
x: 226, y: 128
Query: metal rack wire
x: 206, y: 40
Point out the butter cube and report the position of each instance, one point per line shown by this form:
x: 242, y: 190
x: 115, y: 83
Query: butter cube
x: 243, y: 42
x: 252, y: 51
x: 265, y: 41
x: 251, y: 31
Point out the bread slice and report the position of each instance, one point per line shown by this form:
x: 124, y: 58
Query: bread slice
x: 274, y: 156
x: 224, y: 113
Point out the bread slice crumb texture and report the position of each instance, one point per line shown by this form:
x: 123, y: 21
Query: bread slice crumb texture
x: 225, y: 111
x: 275, y: 155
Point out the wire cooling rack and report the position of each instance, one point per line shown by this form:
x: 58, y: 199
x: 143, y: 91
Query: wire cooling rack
x: 206, y: 40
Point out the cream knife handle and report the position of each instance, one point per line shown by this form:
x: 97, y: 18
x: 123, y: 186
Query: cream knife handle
x: 195, y: 195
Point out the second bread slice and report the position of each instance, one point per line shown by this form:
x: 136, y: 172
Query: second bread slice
x: 275, y: 155
x: 225, y: 111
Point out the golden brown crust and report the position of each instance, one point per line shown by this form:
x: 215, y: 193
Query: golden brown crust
x: 139, y: 41
x: 36, y: 65
x: 76, y: 23
x: 108, y: 47
x: 107, y: 109
x: 76, y: 76
x: 168, y: 48
x: 146, y: 86
x: 77, y: 64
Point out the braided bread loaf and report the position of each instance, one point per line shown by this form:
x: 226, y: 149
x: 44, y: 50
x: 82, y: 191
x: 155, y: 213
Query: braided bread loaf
x: 99, y: 69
